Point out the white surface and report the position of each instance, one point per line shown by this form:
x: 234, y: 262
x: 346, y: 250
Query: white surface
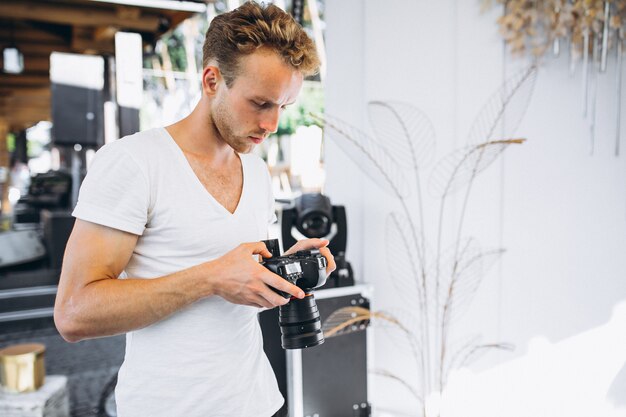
x: 129, y: 69
x: 51, y: 400
x: 20, y: 247
x: 559, y: 212
x: 86, y: 71
x: 567, y: 378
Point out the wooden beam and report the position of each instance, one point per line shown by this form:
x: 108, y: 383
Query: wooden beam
x: 32, y: 63
x: 18, y: 89
x: 24, y: 99
x: 80, y: 16
x: 25, y: 118
x: 38, y: 49
x: 25, y: 112
x: 21, y: 105
x: 25, y: 92
x: 25, y: 79
x: 28, y: 35
x: 83, y: 41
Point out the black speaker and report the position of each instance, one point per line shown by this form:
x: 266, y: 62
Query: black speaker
x: 77, y: 116
x: 77, y: 98
x: 128, y: 120
x: 329, y: 380
x: 57, y: 227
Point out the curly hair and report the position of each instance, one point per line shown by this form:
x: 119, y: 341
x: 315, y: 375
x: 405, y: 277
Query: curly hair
x: 252, y: 26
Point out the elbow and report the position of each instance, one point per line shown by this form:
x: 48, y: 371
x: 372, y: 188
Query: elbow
x: 67, y: 325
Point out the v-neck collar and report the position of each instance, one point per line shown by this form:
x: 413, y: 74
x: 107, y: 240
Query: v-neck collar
x: 190, y: 173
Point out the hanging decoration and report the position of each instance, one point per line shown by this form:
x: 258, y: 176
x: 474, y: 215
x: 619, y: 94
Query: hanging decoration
x: 589, y: 30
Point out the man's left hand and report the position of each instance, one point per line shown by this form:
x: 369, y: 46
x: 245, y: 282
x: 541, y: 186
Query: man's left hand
x: 321, y: 244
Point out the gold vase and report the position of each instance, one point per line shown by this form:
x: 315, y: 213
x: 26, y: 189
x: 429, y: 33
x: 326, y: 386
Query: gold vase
x: 22, y: 367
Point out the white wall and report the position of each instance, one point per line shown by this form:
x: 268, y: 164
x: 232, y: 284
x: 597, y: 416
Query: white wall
x: 558, y: 211
x: 344, y: 93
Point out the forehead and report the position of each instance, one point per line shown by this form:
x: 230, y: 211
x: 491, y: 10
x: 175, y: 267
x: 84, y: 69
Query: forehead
x: 264, y: 73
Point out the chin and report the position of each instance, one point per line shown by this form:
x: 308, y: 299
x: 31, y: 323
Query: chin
x: 243, y: 148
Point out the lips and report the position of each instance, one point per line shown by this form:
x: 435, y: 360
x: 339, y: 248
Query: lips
x: 256, y: 140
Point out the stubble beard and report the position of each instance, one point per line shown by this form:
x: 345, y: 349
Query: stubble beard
x: 225, y: 127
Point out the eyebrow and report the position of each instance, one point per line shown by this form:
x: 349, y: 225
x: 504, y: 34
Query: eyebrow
x: 266, y: 100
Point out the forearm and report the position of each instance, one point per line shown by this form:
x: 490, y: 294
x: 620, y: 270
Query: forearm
x: 110, y: 306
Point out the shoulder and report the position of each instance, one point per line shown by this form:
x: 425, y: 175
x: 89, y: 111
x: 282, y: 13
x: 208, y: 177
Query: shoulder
x: 139, y: 148
x: 140, y: 143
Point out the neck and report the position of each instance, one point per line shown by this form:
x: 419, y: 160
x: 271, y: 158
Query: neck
x: 196, y: 134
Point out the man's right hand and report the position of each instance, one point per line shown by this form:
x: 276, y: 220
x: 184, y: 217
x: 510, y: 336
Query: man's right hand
x: 239, y: 279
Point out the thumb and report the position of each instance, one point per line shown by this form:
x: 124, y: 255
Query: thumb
x: 259, y: 248
x: 321, y: 243
x: 307, y: 244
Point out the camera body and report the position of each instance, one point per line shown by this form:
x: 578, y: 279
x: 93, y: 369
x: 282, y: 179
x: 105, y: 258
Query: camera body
x: 299, y: 319
x: 305, y: 269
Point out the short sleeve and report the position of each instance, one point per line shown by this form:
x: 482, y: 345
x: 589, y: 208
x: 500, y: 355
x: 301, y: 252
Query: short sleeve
x: 115, y: 192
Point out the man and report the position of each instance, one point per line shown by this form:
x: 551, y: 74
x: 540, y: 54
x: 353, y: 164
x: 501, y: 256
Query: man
x: 157, y: 248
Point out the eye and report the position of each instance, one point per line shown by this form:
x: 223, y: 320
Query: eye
x: 259, y: 104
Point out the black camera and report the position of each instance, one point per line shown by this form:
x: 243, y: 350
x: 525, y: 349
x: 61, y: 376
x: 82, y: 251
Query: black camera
x: 299, y: 320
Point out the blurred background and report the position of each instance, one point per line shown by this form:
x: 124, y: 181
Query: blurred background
x: 539, y: 322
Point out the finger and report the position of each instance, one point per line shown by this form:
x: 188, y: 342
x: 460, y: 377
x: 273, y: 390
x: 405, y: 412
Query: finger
x: 330, y: 260
x: 258, y: 248
x: 272, y: 298
x: 261, y: 301
x: 306, y: 244
x: 281, y: 284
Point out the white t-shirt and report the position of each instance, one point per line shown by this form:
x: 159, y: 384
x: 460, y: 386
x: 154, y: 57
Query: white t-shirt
x: 207, y: 359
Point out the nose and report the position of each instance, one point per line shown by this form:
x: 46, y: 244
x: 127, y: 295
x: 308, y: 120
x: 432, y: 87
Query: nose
x: 269, y: 120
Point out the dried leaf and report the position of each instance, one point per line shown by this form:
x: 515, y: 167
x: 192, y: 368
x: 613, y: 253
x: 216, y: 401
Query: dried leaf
x: 503, y: 112
x: 461, y: 167
x: 370, y: 157
x: 405, y: 131
x: 403, y: 329
x: 402, y: 260
x: 464, y: 279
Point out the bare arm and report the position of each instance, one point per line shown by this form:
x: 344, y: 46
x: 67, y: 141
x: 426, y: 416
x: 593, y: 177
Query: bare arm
x: 93, y: 302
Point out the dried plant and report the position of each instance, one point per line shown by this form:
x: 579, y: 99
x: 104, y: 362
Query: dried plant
x: 534, y: 26
x: 439, y: 282
x: 589, y: 29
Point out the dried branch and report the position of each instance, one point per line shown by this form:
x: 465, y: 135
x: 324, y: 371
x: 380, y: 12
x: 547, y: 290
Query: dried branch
x: 501, y: 115
x: 387, y: 374
x: 346, y: 320
x: 470, y: 351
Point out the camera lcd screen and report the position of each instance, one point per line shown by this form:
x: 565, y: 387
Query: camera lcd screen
x: 293, y: 268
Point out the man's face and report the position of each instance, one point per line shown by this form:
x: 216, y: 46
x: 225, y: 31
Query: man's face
x: 248, y: 111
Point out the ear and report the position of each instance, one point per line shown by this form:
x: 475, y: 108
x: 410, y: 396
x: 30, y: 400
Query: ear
x: 211, y: 77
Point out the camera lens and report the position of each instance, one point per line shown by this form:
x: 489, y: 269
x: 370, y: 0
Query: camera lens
x: 300, y: 323
x: 315, y: 215
x: 316, y: 225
